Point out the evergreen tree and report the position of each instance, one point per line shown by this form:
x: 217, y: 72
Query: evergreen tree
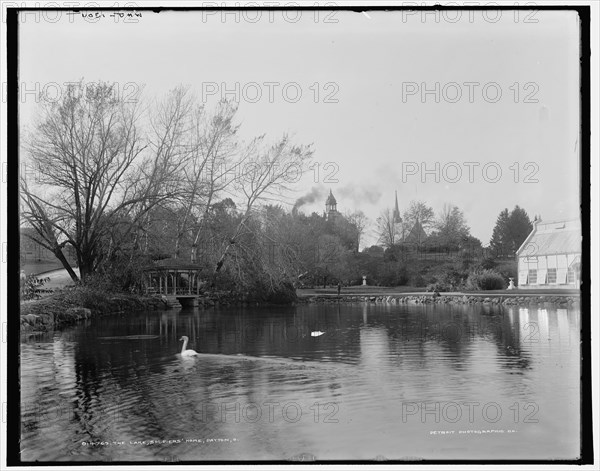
x: 500, y: 240
x: 511, y: 230
x: 520, y: 227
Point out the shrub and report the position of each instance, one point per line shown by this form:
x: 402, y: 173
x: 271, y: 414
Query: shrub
x: 391, y: 274
x: 488, y: 263
x: 284, y: 294
x: 90, y: 297
x: 465, y: 261
x: 32, y: 287
x: 101, y: 282
x: 485, y: 279
x: 508, y: 269
x: 447, y: 277
x: 121, y: 273
x: 438, y: 286
x: 418, y: 281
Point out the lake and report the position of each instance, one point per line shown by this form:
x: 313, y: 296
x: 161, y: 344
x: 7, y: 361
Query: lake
x: 383, y: 382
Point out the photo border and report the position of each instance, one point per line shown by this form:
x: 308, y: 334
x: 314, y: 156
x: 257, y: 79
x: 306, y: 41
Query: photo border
x: 13, y: 239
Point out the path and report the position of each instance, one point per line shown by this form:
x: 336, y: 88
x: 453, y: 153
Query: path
x: 58, y: 278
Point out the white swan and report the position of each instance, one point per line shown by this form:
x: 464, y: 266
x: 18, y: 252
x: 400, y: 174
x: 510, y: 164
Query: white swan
x: 184, y: 352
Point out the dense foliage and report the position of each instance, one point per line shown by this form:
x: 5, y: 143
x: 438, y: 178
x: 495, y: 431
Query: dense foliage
x: 510, y: 231
x: 485, y: 279
x: 134, y: 185
x: 32, y: 287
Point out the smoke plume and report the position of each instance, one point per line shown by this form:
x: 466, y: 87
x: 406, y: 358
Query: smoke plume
x: 316, y: 193
x: 348, y: 197
x: 354, y: 196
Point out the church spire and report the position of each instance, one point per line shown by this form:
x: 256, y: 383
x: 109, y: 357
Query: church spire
x: 397, y: 217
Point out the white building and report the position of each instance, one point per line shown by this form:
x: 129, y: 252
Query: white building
x: 550, y: 257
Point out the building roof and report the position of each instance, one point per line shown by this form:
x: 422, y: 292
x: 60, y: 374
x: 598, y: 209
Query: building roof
x: 549, y: 238
x: 174, y: 264
x: 330, y: 199
x: 416, y: 235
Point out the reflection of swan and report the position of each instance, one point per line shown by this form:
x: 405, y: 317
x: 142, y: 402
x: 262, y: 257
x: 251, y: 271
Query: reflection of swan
x: 184, y: 352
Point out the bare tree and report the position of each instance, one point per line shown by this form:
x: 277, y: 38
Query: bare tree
x: 94, y: 174
x: 157, y: 180
x: 360, y: 221
x: 418, y: 211
x: 197, y: 150
x: 46, y: 228
x: 267, y: 174
x: 212, y: 160
x: 451, y: 225
x: 275, y: 260
x: 388, y: 230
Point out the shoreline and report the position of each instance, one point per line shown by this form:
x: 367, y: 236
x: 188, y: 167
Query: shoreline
x: 505, y: 299
x: 68, y: 306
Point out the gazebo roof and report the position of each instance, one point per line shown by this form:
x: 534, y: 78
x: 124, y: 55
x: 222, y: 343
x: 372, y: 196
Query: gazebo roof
x: 174, y: 264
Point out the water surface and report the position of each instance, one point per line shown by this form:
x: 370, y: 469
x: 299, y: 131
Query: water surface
x: 382, y: 382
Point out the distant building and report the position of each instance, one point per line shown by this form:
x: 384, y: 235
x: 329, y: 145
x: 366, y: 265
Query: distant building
x: 550, y: 257
x: 331, y: 207
x: 417, y: 234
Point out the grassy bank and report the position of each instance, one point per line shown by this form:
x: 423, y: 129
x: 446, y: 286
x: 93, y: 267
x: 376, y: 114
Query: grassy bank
x: 69, y: 305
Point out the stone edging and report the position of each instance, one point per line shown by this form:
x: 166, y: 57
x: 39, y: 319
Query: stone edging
x: 444, y: 299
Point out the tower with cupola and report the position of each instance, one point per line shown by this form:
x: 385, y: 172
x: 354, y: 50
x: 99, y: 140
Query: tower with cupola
x: 331, y: 207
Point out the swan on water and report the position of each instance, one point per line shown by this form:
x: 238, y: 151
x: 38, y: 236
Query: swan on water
x: 184, y: 352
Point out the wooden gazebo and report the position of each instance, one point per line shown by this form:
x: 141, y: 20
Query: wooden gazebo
x: 174, y: 277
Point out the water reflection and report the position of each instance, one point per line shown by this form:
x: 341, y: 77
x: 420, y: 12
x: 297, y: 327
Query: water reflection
x: 377, y: 383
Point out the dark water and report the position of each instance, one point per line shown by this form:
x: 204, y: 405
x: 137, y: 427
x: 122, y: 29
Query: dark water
x: 380, y: 383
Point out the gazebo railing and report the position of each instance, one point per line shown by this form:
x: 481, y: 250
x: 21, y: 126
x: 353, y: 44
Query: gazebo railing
x: 173, y: 282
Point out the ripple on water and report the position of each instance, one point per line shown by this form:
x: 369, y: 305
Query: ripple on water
x: 121, y: 379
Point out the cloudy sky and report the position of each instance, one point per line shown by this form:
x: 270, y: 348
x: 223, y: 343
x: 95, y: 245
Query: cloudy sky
x: 477, y: 109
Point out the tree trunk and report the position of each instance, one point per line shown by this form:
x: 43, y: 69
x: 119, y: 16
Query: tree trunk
x: 86, y: 268
x: 232, y: 241
x: 59, y: 254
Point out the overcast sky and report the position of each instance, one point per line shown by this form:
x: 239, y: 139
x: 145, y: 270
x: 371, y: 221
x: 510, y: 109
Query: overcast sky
x: 360, y: 78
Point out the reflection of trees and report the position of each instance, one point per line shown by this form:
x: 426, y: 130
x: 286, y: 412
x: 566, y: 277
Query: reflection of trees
x: 506, y: 335
x: 454, y: 334
x: 144, y: 382
x: 285, y: 332
x: 456, y: 327
x: 45, y: 372
x: 422, y: 328
x: 117, y: 378
x: 453, y: 329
